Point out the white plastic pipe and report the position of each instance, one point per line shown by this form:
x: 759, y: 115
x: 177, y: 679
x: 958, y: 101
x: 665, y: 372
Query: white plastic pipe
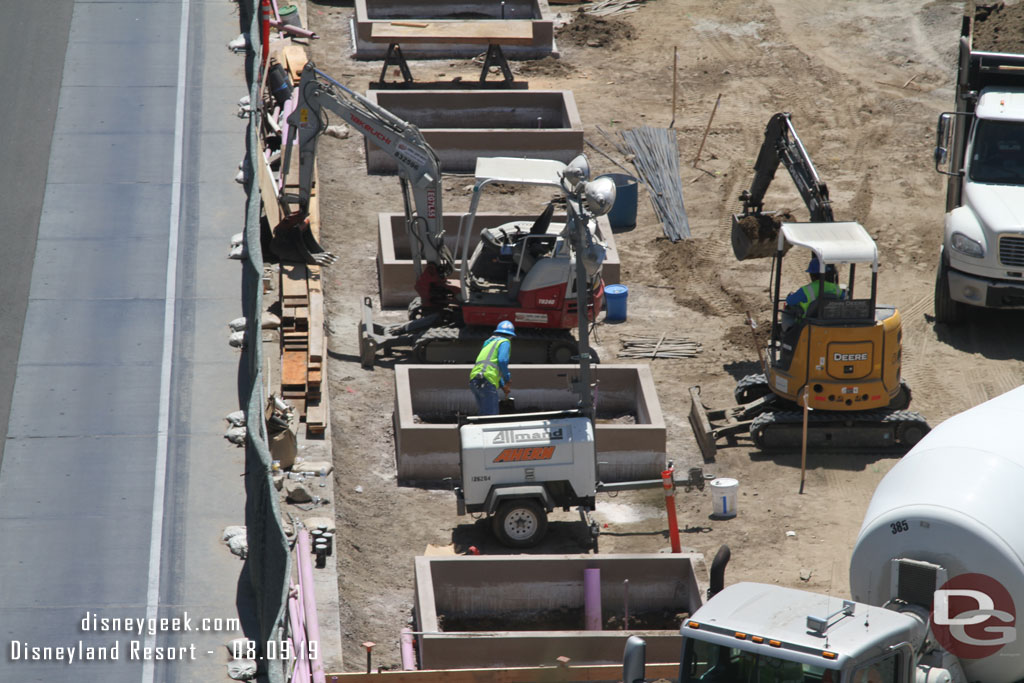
x: 592, y: 599
x: 408, y: 653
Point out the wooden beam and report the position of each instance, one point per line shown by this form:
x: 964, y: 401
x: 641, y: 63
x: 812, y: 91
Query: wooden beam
x: 294, y: 289
x: 293, y: 58
x: 500, y: 32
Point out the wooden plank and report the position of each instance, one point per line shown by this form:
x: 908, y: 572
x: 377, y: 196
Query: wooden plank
x: 293, y: 369
x: 313, y: 281
x: 268, y: 193
x: 316, y: 326
x: 294, y: 290
x: 314, y: 205
x: 499, y: 31
x: 293, y: 58
x: 316, y: 416
x: 603, y: 673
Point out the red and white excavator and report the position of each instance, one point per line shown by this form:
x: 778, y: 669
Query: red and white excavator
x: 521, y: 272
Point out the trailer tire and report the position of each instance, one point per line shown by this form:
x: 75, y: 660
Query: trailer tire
x: 947, y: 310
x: 520, y: 523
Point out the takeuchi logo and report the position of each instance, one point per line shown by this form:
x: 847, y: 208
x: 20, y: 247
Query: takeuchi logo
x: 973, y: 616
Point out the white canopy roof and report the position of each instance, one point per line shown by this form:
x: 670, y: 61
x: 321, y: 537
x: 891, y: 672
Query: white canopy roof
x: 835, y: 243
x: 515, y: 170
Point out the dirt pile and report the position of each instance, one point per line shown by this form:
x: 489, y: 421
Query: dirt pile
x: 590, y: 31
x: 998, y: 28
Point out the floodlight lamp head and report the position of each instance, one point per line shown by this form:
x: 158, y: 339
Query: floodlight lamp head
x: 599, y: 195
x: 577, y: 171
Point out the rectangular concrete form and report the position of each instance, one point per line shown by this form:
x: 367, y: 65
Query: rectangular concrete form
x: 524, y: 593
x: 380, y: 13
x: 462, y: 125
x: 396, y: 275
x: 629, y: 435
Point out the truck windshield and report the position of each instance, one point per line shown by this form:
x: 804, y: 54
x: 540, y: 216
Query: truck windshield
x: 711, y: 663
x: 998, y: 153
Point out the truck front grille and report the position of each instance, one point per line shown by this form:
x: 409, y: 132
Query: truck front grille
x: 1011, y: 250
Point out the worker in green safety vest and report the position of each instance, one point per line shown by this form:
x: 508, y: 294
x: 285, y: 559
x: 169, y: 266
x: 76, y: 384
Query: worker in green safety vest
x: 799, y: 301
x: 490, y: 372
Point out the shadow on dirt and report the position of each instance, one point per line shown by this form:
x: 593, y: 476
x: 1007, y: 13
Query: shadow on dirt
x: 563, y: 537
x: 853, y: 462
x: 996, y: 335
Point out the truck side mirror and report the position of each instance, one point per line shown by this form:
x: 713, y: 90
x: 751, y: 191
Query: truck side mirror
x: 942, y: 130
x: 634, y: 658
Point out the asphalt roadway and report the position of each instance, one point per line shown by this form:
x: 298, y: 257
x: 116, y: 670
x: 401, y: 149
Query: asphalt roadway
x: 120, y: 148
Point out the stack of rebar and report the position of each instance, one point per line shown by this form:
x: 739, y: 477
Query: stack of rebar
x: 605, y: 8
x: 655, y: 153
x: 658, y: 347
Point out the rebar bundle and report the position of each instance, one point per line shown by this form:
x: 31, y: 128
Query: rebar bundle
x: 655, y: 154
x: 658, y: 347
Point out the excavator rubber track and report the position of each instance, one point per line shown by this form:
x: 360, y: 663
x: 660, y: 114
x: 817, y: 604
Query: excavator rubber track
x: 868, y: 431
x: 462, y: 344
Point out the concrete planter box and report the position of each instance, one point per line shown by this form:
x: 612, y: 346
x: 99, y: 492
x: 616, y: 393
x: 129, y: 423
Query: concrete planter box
x: 525, y: 593
x: 395, y: 273
x: 369, y: 12
x: 428, y: 398
x: 462, y: 125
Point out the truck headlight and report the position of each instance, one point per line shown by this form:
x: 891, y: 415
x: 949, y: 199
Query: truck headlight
x: 966, y: 246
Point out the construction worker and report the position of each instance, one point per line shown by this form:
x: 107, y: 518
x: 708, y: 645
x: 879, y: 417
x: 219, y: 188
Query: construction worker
x: 799, y: 301
x: 490, y: 372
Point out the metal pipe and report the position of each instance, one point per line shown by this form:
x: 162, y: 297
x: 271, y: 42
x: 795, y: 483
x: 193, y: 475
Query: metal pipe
x: 309, y: 602
x: 592, y: 599
x: 408, y: 650
x: 670, y: 507
x: 625, y: 602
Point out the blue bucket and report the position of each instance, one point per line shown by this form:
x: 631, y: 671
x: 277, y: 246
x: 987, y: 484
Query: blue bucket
x: 623, y: 213
x: 615, y: 302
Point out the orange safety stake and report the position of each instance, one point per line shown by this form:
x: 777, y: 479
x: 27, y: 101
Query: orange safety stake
x: 265, y: 29
x: 670, y: 507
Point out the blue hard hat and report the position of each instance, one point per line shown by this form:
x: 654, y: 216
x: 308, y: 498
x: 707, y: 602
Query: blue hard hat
x: 505, y: 327
x: 814, y: 266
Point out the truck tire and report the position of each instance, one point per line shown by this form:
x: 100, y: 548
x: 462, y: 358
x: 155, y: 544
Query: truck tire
x: 947, y: 310
x: 520, y: 523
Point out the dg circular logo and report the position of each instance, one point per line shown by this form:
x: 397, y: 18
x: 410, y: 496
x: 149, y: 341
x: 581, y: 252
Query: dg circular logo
x: 973, y: 616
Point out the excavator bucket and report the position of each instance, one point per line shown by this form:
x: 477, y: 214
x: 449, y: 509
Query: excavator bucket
x: 755, y: 235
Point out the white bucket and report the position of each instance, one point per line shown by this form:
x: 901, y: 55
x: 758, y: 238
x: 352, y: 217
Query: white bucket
x: 723, y: 496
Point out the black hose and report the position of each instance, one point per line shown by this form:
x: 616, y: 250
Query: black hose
x: 718, y: 570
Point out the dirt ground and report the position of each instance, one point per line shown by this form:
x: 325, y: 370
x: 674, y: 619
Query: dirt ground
x: 865, y: 83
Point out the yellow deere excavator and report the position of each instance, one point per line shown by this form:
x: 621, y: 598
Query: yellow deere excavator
x: 843, y: 351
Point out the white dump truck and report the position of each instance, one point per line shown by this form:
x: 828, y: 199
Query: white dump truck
x: 935, y: 574
x: 980, y: 146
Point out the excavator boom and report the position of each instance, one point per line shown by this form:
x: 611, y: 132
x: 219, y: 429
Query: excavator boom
x: 755, y: 232
x: 419, y: 169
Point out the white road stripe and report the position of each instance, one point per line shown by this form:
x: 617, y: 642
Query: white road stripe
x: 170, y: 301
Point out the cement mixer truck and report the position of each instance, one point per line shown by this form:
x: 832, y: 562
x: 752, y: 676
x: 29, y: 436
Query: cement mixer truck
x: 935, y: 574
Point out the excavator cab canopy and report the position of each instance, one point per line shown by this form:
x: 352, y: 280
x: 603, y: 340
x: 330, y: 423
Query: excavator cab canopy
x: 837, y: 243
